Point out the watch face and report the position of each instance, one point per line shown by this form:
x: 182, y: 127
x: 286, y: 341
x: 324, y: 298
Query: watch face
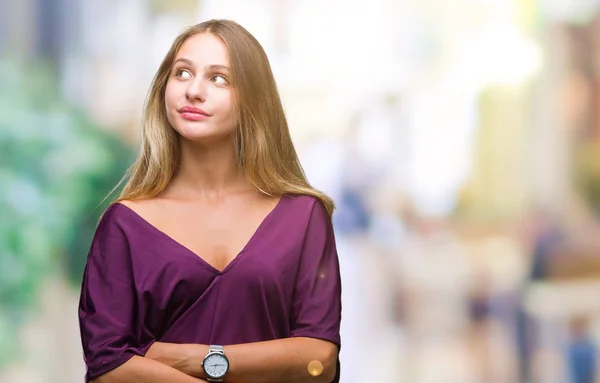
x: 216, y: 365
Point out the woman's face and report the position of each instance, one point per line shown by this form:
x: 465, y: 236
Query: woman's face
x: 198, y: 96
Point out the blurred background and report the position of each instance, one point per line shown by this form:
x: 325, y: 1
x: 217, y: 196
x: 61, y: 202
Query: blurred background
x: 459, y: 138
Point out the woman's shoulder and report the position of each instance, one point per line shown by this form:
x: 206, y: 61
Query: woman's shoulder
x: 112, y: 217
x: 139, y: 207
x: 301, y: 201
x: 122, y: 222
x: 122, y: 213
x: 112, y: 213
x: 118, y: 209
x: 304, y: 205
x: 136, y: 205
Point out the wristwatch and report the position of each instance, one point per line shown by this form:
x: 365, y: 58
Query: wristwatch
x: 215, y: 364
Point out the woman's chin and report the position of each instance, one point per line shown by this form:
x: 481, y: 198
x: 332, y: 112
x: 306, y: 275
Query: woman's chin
x: 204, y: 136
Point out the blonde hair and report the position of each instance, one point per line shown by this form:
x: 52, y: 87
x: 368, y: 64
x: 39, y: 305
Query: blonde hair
x: 263, y: 144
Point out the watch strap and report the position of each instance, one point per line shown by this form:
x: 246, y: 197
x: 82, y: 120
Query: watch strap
x: 215, y: 348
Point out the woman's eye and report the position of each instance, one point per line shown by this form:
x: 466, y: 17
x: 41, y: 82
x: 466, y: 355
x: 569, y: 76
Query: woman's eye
x: 182, y: 73
x: 219, y: 79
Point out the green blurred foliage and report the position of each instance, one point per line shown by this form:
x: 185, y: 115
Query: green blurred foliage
x: 56, y: 166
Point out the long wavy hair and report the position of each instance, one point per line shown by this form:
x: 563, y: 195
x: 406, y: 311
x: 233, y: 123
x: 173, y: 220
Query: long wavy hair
x: 263, y: 144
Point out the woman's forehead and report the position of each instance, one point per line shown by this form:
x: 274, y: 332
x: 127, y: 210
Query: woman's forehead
x: 204, y: 49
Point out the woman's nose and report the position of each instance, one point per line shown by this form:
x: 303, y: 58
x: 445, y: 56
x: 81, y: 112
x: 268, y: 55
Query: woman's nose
x: 196, y: 91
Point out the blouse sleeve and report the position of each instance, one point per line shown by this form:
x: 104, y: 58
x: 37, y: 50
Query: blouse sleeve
x: 110, y: 324
x: 316, y: 306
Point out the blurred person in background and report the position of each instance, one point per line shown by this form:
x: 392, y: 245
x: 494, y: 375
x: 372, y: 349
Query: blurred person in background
x: 218, y: 261
x: 544, y: 236
x: 581, y: 352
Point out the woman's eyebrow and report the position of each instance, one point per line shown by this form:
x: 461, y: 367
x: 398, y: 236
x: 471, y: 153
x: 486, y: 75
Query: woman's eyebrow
x: 212, y: 67
x: 218, y: 67
x: 184, y: 60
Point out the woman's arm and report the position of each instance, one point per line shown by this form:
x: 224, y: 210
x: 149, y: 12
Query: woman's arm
x: 281, y: 360
x: 143, y: 370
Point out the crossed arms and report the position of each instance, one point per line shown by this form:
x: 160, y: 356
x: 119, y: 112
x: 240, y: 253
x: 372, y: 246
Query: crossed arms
x: 282, y: 360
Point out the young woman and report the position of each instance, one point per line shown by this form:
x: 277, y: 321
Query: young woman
x: 218, y: 260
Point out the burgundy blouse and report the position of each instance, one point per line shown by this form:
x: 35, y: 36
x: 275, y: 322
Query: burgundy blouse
x: 141, y: 286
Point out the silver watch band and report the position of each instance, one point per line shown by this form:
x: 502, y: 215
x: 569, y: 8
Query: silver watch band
x: 214, y: 348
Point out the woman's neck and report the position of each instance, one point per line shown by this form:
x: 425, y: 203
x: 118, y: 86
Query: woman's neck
x: 208, y: 172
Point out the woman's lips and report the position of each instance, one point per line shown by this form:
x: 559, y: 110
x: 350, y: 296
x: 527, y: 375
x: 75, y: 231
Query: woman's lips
x: 193, y: 114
